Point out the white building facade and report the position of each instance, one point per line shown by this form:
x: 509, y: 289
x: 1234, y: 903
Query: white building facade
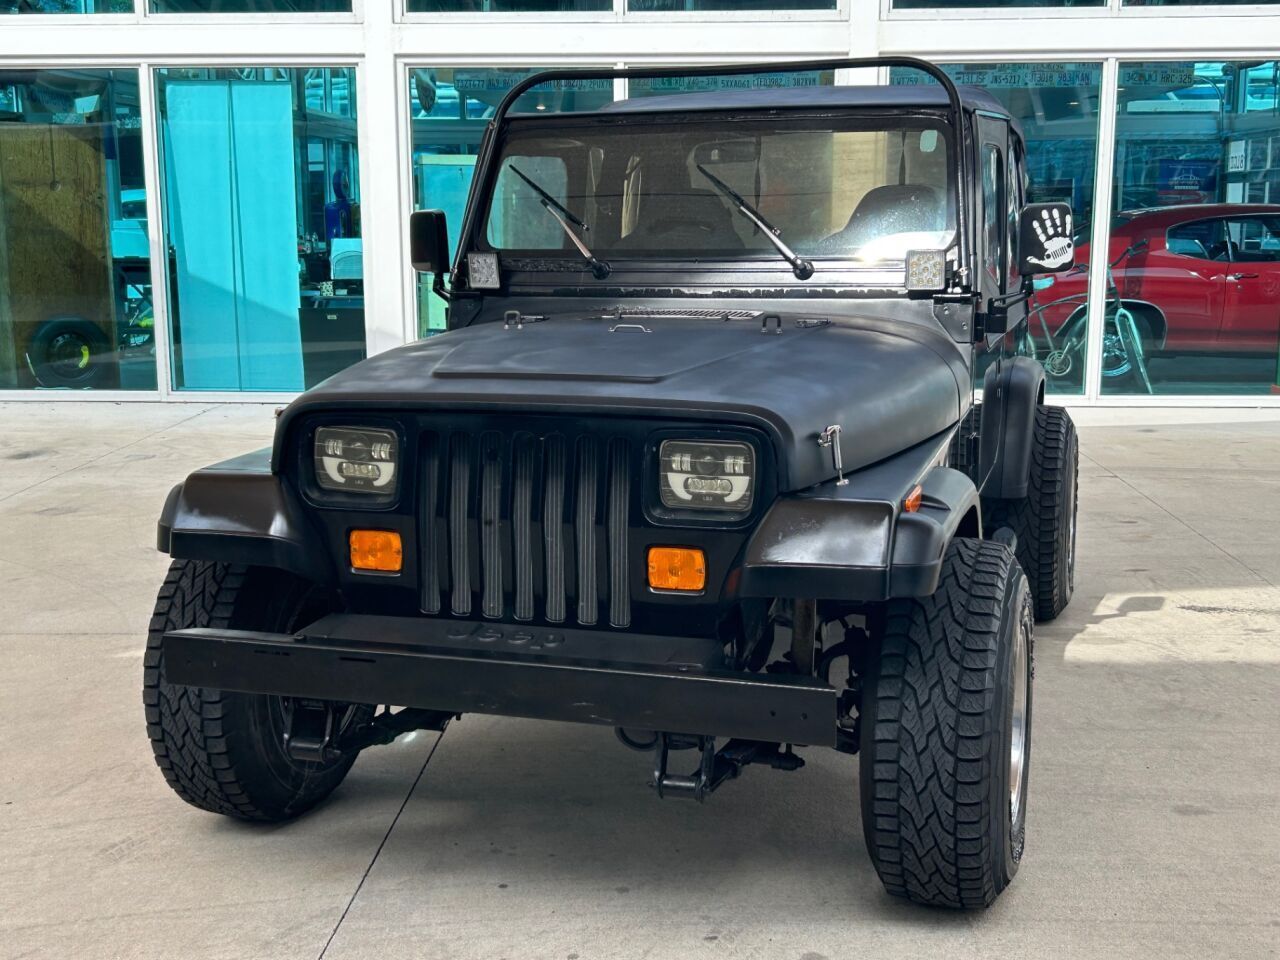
x: 208, y: 199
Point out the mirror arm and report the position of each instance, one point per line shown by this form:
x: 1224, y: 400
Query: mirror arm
x: 439, y: 289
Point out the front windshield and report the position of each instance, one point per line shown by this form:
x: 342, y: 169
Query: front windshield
x: 861, y: 191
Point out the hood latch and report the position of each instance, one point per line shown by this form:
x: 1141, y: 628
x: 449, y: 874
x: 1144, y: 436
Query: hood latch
x: 830, y: 437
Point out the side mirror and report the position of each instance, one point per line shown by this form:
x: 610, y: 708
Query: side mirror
x: 429, y: 242
x: 1045, y: 242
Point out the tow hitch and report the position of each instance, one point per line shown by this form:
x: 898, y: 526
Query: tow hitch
x: 715, y: 766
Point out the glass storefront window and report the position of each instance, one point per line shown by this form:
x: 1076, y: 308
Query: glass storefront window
x: 249, y: 6
x: 450, y: 107
x: 1056, y: 105
x: 662, y: 86
x: 1191, y: 3
x: 508, y: 6
x: 262, y: 221
x: 75, y: 269
x: 998, y: 4
x: 66, y: 6
x: 731, y: 6
x: 1194, y: 301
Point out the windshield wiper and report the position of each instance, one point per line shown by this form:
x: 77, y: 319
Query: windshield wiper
x: 563, y: 216
x: 801, y: 267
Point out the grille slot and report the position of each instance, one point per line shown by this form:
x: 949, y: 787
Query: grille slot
x: 553, y: 528
x: 619, y: 507
x: 585, y: 528
x: 459, y: 532
x: 522, y: 524
x: 429, y: 523
x: 491, y: 523
x: 525, y: 526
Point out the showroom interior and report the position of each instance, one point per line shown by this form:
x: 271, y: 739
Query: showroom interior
x: 208, y: 199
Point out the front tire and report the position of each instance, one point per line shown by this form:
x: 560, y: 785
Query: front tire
x: 223, y: 751
x: 946, y: 726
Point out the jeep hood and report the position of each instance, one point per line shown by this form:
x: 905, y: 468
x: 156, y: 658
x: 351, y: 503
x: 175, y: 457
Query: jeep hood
x: 888, y: 384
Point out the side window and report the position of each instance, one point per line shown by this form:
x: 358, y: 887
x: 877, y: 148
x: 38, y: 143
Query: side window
x: 993, y: 215
x: 1255, y: 239
x: 1017, y: 190
x: 1202, y: 239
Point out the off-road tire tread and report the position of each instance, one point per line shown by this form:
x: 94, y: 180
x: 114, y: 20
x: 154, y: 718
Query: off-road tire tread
x: 194, y: 731
x: 1037, y: 518
x: 926, y: 822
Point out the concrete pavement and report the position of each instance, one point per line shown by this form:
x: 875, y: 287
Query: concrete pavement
x: 1155, y: 785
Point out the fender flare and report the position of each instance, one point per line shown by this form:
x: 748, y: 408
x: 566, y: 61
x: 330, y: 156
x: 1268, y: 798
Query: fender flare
x: 238, y: 511
x: 856, y: 542
x: 1011, y: 392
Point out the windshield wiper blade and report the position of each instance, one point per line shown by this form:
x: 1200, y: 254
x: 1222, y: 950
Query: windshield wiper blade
x: 563, y: 216
x: 801, y: 267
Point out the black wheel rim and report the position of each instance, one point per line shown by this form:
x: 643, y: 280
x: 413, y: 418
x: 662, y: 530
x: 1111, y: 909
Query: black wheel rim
x: 70, y: 357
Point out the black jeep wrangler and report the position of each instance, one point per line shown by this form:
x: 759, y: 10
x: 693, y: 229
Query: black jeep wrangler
x: 698, y: 458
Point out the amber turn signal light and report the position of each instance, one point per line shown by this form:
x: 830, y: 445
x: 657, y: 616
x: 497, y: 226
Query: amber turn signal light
x: 912, y: 501
x: 377, y: 550
x: 677, y: 568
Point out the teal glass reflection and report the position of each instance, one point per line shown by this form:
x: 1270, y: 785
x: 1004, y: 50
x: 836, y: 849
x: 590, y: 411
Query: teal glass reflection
x: 250, y: 6
x: 1000, y: 4
x: 75, y: 268
x: 661, y: 86
x: 725, y: 6
x: 1056, y: 106
x: 508, y: 6
x: 65, y: 6
x: 1195, y: 236
x: 449, y: 109
x: 262, y: 218
x: 1192, y: 3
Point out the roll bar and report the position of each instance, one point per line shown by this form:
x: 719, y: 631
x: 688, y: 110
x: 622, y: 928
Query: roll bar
x: 959, y: 160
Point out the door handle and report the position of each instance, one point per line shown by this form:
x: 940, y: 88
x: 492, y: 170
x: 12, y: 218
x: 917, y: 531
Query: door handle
x: 1242, y: 276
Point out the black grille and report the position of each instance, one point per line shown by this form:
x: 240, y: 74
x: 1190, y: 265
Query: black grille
x: 526, y: 527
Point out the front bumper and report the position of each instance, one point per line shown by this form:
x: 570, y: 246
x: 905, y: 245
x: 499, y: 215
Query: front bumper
x: 624, y: 680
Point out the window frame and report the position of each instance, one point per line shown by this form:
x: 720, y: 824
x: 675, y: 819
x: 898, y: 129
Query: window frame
x: 1110, y: 10
x: 620, y: 13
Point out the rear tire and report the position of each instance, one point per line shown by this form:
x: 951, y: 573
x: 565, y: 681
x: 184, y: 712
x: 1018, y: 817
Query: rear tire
x: 944, y: 705
x: 223, y: 751
x: 1045, y: 519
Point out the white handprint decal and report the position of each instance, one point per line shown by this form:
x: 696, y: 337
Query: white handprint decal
x: 1054, y: 233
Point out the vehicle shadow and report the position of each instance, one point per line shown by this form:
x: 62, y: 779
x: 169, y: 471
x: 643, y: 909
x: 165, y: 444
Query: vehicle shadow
x: 510, y: 805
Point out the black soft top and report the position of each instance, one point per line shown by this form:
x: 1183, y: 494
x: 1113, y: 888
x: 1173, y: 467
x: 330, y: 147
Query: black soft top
x: 823, y: 97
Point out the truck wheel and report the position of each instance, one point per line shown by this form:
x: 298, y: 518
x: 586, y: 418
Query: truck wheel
x: 223, y: 751
x: 69, y: 352
x: 946, y: 732
x: 1045, y: 519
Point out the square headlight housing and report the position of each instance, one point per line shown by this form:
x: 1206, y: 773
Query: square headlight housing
x: 713, y: 476
x: 364, y: 461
